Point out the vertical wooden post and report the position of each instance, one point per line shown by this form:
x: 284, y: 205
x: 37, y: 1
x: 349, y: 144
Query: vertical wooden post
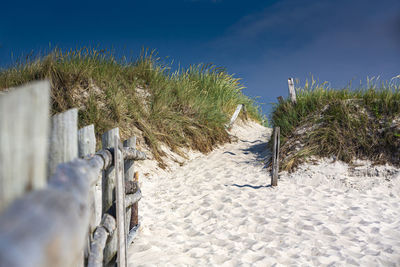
x: 63, y: 147
x: 86, y: 141
x: 135, y: 207
x: 120, y: 203
x: 275, y: 157
x: 292, y: 92
x: 128, y: 175
x: 87, y: 146
x: 109, y: 174
x: 108, y: 194
x: 245, y: 112
x: 63, y: 140
x: 24, y: 121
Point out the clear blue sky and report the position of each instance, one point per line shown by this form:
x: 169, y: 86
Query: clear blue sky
x: 263, y: 42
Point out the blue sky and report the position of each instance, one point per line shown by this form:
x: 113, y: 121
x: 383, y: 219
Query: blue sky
x: 263, y: 42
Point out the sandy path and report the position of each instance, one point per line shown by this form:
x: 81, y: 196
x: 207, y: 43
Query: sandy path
x: 217, y: 211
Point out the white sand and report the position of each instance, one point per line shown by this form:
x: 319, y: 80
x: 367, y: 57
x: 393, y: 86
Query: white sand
x: 216, y: 210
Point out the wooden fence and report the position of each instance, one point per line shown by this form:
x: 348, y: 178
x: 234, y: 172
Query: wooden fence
x: 277, y: 135
x: 236, y: 114
x: 61, y: 202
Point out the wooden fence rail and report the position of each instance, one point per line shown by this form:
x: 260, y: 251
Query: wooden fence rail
x: 82, y: 206
x: 236, y: 114
x: 277, y: 134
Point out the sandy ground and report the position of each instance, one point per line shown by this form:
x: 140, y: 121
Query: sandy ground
x: 218, y: 210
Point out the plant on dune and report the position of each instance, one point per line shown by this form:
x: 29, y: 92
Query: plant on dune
x: 345, y: 123
x: 182, y: 108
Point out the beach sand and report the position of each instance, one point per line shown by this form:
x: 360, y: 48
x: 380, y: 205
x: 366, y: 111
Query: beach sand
x: 219, y: 210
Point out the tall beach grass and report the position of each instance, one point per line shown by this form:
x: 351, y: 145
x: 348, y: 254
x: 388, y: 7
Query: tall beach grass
x: 345, y: 124
x: 182, y: 108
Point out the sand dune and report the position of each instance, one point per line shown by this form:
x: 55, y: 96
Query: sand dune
x: 218, y: 210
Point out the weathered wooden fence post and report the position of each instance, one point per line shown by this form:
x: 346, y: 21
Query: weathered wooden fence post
x: 86, y: 141
x: 132, y: 200
x: 292, y: 92
x: 129, y: 172
x: 245, y: 112
x: 109, y: 193
x: 135, y: 207
x: 275, y: 157
x: 109, y: 175
x: 24, y: 120
x: 63, y: 139
x: 120, y: 202
x: 63, y: 147
x: 235, y: 115
x: 86, y: 147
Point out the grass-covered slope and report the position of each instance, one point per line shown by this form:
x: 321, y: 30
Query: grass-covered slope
x: 344, y: 124
x: 184, y: 108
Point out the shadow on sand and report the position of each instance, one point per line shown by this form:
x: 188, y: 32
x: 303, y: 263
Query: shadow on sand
x: 260, y: 150
x: 251, y: 186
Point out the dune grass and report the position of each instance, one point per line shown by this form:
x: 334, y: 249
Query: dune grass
x: 182, y: 108
x: 344, y: 124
